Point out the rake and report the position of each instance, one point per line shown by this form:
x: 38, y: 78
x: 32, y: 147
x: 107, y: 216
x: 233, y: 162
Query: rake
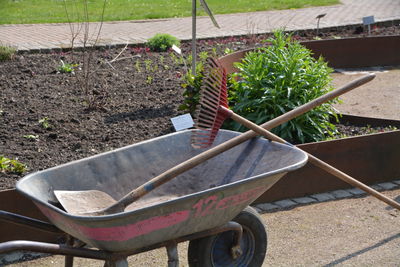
x: 213, y: 110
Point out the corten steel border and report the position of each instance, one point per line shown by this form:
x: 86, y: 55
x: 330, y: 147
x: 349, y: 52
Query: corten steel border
x: 358, y: 52
x: 344, y: 53
x: 12, y: 201
x: 370, y: 159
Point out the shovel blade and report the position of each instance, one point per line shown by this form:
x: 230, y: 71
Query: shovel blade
x: 86, y: 203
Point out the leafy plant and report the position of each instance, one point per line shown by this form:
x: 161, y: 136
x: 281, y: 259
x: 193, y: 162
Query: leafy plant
x: 192, y: 85
x: 228, y: 51
x: 161, y: 42
x: 147, y: 64
x: 138, y: 66
x: 67, y: 67
x: 149, y: 79
x: 6, y: 52
x: 278, y: 78
x: 44, y: 122
x: 11, y: 165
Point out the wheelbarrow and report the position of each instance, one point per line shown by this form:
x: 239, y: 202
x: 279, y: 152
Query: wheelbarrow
x: 207, y: 205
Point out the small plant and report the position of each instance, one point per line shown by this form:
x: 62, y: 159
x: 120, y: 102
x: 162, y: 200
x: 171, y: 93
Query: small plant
x: 149, y: 79
x: 161, y: 42
x: 147, y: 64
x: 174, y: 58
x: 278, y: 78
x: 192, y: 85
x: 31, y: 137
x: 11, y: 165
x: 155, y: 67
x: 67, y: 67
x: 214, y: 52
x: 138, y: 66
x: 44, y: 122
x: 6, y: 52
x: 228, y: 51
x: 202, y: 55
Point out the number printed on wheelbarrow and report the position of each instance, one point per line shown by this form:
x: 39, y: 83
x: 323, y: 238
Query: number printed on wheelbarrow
x: 211, y: 204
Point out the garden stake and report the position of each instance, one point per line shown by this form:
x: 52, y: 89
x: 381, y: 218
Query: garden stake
x: 100, y: 203
x: 213, y: 110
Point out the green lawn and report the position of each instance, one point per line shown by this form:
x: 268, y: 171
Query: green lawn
x: 48, y: 11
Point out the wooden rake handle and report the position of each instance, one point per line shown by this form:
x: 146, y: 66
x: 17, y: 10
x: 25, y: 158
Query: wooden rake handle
x: 202, y: 157
x: 317, y: 162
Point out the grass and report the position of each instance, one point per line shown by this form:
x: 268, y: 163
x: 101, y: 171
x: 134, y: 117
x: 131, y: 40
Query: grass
x: 53, y: 11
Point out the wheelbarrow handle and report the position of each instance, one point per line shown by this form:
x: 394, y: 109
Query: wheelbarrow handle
x: 202, y: 157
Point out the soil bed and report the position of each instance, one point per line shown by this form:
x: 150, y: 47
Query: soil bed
x: 44, y: 115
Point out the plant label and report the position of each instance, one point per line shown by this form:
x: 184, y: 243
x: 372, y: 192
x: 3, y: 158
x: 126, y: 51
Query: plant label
x: 176, y: 49
x: 368, y: 20
x: 182, y: 122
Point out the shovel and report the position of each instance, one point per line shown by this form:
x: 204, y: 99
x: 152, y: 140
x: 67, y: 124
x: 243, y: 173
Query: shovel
x: 97, y: 203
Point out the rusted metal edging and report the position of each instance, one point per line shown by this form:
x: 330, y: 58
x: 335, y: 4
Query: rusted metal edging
x: 343, y: 53
x: 26, y: 221
x: 369, y: 158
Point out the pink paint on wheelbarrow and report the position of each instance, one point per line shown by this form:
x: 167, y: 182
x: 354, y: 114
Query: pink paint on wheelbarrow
x: 124, y: 232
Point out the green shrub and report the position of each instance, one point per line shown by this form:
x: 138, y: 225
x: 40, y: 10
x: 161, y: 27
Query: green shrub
x: 6, y: 52
x: 161, y: 42
x: 278, y: 78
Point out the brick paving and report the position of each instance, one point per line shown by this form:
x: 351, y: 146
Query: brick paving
x: 349, y: 12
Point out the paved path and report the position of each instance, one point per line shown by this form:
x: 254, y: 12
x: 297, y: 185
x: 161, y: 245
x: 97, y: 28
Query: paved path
x: 50, y: 36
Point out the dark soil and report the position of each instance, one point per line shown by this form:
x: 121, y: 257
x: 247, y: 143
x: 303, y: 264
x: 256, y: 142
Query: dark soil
x: 47, y: 118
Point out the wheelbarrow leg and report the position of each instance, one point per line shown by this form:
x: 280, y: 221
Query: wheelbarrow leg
x: 69, y: 260
x: 173, y: 257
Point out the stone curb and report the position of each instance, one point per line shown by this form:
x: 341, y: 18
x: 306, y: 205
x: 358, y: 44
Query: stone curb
x: 322, y: 197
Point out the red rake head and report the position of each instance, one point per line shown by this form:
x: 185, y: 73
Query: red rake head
x: 213, y: 106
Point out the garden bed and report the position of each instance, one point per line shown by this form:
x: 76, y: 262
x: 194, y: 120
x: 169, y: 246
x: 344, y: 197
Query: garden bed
x: 44, y: 115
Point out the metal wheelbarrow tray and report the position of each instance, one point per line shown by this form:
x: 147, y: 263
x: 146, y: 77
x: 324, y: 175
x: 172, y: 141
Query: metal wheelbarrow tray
x: 202, y: 198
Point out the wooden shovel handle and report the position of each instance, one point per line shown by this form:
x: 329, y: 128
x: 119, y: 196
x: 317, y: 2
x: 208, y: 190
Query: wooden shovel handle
x: 202, y: 157
x: 317, y: 162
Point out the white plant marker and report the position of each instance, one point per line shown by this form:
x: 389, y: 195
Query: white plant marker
x: 182, y: 122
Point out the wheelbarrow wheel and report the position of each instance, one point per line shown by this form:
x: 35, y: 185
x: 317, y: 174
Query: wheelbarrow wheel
x: 214, y: 251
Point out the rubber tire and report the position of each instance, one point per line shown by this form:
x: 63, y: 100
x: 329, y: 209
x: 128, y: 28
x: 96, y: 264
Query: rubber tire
x: 201, y: 251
